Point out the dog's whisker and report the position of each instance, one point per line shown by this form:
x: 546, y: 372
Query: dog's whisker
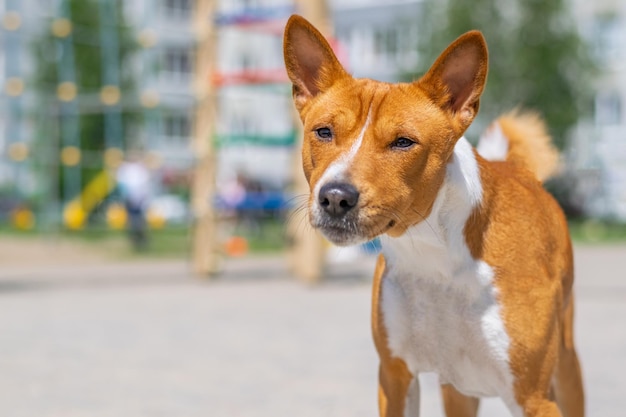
x: 425, y: 220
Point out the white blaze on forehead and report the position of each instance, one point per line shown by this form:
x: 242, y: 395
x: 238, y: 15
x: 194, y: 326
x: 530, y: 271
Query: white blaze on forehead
x: 336, y: 171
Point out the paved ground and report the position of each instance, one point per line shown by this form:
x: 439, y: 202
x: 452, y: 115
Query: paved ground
x: 145, y: 339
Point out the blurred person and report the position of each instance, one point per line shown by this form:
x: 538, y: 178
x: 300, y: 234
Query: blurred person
x: 253, y: 206
x: 233, y: 194
x: 244, y: 200
x: 133, y: 180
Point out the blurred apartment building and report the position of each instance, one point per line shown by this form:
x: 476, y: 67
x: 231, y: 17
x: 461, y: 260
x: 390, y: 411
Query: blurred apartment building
x: 255, y: 128
x: 165, y: 71
x: 598, y: 151
x: 378, y: 39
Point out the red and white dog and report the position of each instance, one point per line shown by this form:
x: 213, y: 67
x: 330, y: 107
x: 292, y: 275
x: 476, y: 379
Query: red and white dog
x: 475, y: 277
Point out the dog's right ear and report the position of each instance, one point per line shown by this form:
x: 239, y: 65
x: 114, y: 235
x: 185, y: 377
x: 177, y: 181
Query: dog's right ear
x: 311, y: 64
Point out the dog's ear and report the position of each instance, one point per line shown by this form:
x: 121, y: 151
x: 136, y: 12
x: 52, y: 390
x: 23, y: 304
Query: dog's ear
x: 457, y: 78
x: 311, y: 64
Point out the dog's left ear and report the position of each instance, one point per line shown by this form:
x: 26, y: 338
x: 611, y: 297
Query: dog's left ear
x: 311, y: 63
x: 457, y: 78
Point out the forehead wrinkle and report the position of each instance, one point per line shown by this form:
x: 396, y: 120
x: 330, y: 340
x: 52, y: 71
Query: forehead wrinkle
x: 342, y: 116
x: 355, y: 117
x: 378, y: 102
x: 401, y: 110
x: 366, y: 96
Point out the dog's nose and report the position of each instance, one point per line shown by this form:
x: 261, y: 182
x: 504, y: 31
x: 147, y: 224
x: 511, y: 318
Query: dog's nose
x: 338, y: 198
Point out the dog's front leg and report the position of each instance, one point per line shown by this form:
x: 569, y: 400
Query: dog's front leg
x: 457, y: 404
x: 398, y: 390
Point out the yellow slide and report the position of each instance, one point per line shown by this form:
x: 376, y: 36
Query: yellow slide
x: 76, y: 211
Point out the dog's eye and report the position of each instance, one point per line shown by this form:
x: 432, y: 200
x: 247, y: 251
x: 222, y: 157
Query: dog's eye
x: 402, y: 143
x: 324, y: 133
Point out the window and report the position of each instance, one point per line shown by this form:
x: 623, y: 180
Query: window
x: 177, y: 126
x: 386, y: 44
x: 177, y: 63
x: 178, y: 9
x: 47, y: 8
x: 608, y: 108
x: 608, y: 38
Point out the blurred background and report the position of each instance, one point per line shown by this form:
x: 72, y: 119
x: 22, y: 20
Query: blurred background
x: 145, y: 142
x: 193, y: 96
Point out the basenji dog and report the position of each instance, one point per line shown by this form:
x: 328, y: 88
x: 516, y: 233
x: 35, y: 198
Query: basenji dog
x: 474, y: 281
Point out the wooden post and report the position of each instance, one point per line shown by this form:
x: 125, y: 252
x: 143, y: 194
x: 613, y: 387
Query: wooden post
x: 205, y: 247
x: 318, y: 13
x: 308, y: 252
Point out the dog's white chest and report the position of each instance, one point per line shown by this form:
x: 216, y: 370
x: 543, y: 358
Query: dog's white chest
x: 448, y: 325
x: 439, y: 304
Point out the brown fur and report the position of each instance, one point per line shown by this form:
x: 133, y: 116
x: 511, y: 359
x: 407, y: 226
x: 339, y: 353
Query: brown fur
x: 533, y: 271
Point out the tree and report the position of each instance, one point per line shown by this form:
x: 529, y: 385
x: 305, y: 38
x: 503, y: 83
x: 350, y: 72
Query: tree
x: 537, y: 59
x: 84, y: 45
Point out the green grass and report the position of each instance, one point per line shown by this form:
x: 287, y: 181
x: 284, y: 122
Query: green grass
x: 169, y: 242
x: 596, y: 231
x: 172, y: 242
x: 267, y: 237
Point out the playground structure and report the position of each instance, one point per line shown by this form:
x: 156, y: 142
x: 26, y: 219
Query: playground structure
x: 37, y: 161
x: 307, y: 251
x: 67, y: 196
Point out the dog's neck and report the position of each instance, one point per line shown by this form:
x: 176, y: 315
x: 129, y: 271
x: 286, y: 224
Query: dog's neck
x: 437, y: 245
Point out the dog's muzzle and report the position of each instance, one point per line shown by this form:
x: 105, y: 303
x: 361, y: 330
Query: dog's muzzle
x: 336, y: 214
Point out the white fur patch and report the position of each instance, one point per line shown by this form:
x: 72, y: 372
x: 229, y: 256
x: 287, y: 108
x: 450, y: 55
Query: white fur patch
x: 464, y: 174
x: 439, y: 304
x: 493, y: 144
